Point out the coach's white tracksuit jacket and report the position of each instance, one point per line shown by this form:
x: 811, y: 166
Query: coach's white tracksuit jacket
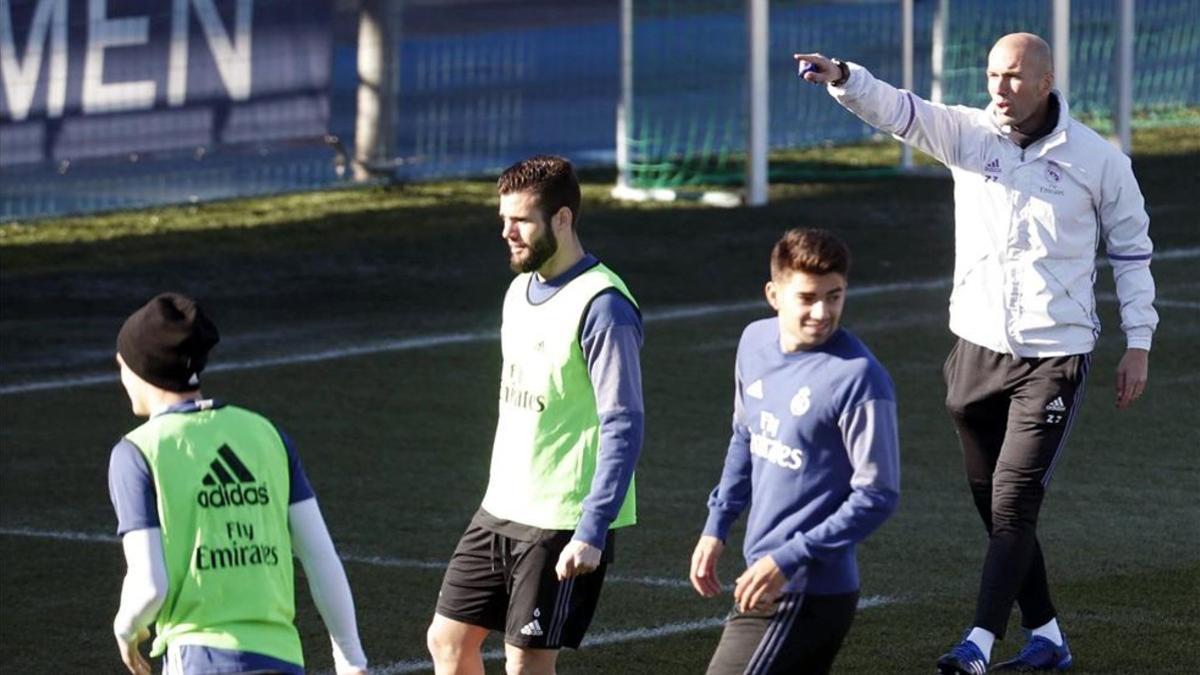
x: 1027, y: 222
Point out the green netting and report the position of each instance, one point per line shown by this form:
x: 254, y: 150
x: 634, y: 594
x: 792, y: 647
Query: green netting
x: 1166, y: 91
x: 689, y: 127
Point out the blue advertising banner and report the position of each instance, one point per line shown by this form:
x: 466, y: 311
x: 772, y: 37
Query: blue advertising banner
x: 96, y: 78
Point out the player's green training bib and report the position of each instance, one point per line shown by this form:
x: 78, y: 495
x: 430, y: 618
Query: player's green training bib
x: 548, y: 433
x: 222, y: 481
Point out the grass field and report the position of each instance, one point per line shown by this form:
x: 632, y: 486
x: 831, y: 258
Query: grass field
x: 364, y: 323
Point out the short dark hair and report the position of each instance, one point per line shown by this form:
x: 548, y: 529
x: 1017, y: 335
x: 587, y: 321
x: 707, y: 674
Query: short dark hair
x: 809, y: 250
x: 550, y: 177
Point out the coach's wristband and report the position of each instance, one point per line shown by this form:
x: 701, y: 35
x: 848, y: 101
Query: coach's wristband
x: 844, y: 69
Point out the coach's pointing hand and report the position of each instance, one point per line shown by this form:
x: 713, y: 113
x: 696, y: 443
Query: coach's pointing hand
x: 817, y: 69
x: 577, y: 558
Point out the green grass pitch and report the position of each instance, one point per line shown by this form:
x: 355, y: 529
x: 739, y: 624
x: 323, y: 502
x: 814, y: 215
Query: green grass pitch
x: 396, y: 438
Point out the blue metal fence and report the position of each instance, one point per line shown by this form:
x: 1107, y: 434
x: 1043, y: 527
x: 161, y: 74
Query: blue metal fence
x: 485, y: 82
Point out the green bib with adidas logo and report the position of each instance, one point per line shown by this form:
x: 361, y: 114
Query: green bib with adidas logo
x: 222, y: 482
x: 548, y: 434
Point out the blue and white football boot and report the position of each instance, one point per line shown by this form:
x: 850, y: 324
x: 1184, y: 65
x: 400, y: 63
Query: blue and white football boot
x: 965, y: 658
x: 1038, y: 654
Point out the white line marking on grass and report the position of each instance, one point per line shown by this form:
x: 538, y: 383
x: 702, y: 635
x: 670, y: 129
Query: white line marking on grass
x: 413, y: 665
x: 660, y: 582
x: 60, y: 535
x: 693, y: 311
x: 1177, y: 379
x: 441, y: 340
x: 57, y: 383
x: 384, y: 561
x: 1178, y: 253
x: 408, y: 563
x: 376, y: 347
x: 1183, y: 304
x: 376, y: 560
x: 728, y: 344
x: 613, y: 637
x: 1158, y: 302
x: 597, y: 640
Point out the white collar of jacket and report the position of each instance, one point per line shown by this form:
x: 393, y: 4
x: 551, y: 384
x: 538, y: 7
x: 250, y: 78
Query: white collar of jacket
x: 1056, y: 137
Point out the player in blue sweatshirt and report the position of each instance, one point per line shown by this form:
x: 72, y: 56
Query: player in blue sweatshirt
x: 814, y: 454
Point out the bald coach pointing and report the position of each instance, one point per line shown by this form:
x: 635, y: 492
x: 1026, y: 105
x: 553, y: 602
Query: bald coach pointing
x: 1035, y: 193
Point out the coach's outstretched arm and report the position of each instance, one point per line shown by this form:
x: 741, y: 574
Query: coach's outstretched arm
x: 932, y: 128
x: 327, y: 582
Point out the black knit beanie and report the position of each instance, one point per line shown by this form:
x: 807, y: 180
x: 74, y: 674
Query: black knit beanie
x: 167, y: 341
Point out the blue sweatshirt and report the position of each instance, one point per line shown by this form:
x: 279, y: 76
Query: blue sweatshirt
x: 814, y: 453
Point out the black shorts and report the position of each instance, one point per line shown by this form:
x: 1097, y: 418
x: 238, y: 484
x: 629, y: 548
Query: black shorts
x: 796, y: 635
x: 507, y: 583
